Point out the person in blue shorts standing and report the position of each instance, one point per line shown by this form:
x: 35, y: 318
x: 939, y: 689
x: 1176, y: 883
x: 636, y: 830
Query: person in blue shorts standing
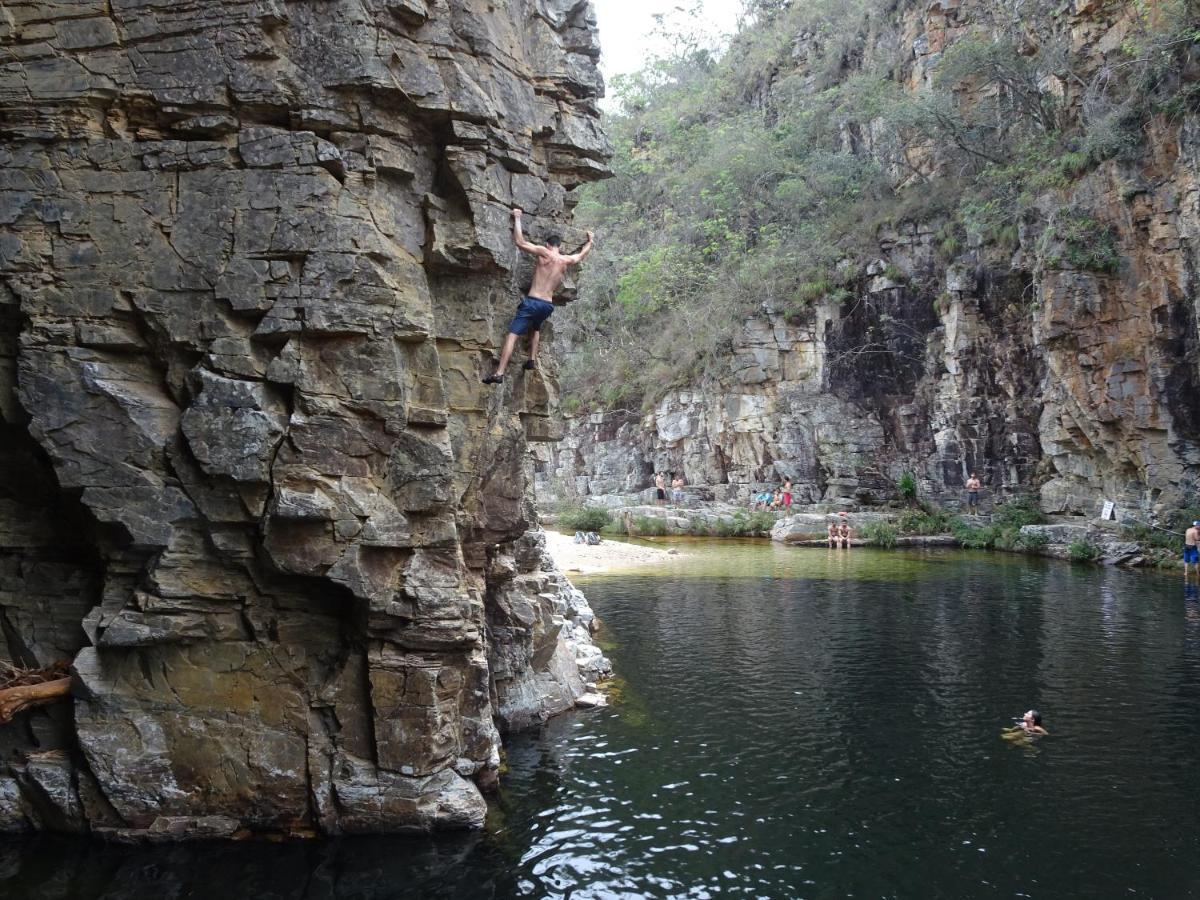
x: 535, y: 309
x: 1191, y: 550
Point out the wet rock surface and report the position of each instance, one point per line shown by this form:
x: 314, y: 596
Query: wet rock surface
x: 255, y: 259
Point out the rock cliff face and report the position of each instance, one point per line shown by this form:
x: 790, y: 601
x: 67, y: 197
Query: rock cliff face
x: 1041, y: 376
x: 255, y: 260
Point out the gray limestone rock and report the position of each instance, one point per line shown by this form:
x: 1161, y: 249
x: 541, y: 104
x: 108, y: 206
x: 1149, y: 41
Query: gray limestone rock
x: 541, y: 625
x: 255, y: 258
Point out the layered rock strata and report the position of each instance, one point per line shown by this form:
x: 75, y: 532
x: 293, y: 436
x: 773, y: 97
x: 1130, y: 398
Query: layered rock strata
x: 255, y: 261
x: 1077, y: 384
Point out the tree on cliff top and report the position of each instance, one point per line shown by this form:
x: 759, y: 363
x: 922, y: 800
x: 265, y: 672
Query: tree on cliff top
x: 762, y: 177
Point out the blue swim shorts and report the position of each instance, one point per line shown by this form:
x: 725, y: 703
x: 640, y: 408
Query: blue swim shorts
x: 530, y: 315
x: 1191, y: 554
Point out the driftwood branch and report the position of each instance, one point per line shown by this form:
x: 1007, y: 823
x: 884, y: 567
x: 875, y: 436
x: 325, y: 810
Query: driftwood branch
x: 22, y: 689
x: 27, y: 696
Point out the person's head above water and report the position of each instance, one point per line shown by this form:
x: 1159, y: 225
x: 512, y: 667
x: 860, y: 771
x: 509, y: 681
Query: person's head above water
x: 1033, y: 717
x: 554, y: 240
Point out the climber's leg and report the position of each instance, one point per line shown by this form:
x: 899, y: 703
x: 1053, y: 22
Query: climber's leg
x: 535, y: 340
x: 532, y: 312
x: 505, y: 355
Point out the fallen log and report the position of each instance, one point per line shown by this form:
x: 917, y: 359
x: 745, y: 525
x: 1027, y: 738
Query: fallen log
x: 24, y: 688
x: 27, y: 696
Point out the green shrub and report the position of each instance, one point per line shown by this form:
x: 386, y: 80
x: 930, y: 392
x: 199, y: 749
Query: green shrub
x: 906, y: 487
x: 1018, y: 512
x: 950, y: 240
x: 1151, y: 537
x: 740, y: 524
x: 760, y: 521
x: 1015, y: 539
x: 971, y: 537
x: 1004, y: 533
x: 1086, y: 243
x: 584, y: 518
x: 1083, y: 551
x: 881, y: 534
x: 1005, y: 538
x: 1031, y: 541
x: 648, y: 526
x: 923, y: 521
x: 1169, y: 533
x: 1072, y: 164
x: 725, y: 528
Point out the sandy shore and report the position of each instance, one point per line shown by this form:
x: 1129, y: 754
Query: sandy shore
x: 603, y: 557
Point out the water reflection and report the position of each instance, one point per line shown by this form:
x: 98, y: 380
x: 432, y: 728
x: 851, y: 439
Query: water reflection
x: 49, y: 869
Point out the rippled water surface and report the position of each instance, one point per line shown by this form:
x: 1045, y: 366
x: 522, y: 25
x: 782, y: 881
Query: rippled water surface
x: 802, y: 723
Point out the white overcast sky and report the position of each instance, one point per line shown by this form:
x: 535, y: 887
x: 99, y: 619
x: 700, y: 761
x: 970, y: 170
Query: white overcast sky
x: 626, y: 26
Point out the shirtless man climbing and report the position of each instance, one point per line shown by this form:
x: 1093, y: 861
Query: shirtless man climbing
x: 537, y: 306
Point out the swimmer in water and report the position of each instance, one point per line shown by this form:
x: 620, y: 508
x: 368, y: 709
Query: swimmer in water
x: 1031, y: 724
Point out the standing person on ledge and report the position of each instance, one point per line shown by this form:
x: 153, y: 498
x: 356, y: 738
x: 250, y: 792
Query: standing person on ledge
x: 538, y: 304
x: 973, y: 486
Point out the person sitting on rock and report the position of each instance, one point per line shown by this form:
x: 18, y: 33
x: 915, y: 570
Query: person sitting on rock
x: 844, y: 533
x: 833, y: 534
x: 538, y: 304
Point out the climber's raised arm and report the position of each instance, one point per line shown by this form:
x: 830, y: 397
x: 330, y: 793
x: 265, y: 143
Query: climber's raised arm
x: 519, y: 237
x: 583, y: 251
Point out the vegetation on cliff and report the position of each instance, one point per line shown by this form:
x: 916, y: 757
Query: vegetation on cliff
x: 765, y: 177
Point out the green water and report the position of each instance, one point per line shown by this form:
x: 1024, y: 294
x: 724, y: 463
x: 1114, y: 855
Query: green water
x: 802, y: 723
x: 759, y: 558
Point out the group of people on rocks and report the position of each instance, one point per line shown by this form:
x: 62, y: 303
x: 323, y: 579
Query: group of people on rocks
x: 660, y: 488
x: 778, y: 499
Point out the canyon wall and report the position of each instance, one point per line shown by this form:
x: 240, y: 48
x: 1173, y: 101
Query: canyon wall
x: 255, y: 260
x: 1077, y: 384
